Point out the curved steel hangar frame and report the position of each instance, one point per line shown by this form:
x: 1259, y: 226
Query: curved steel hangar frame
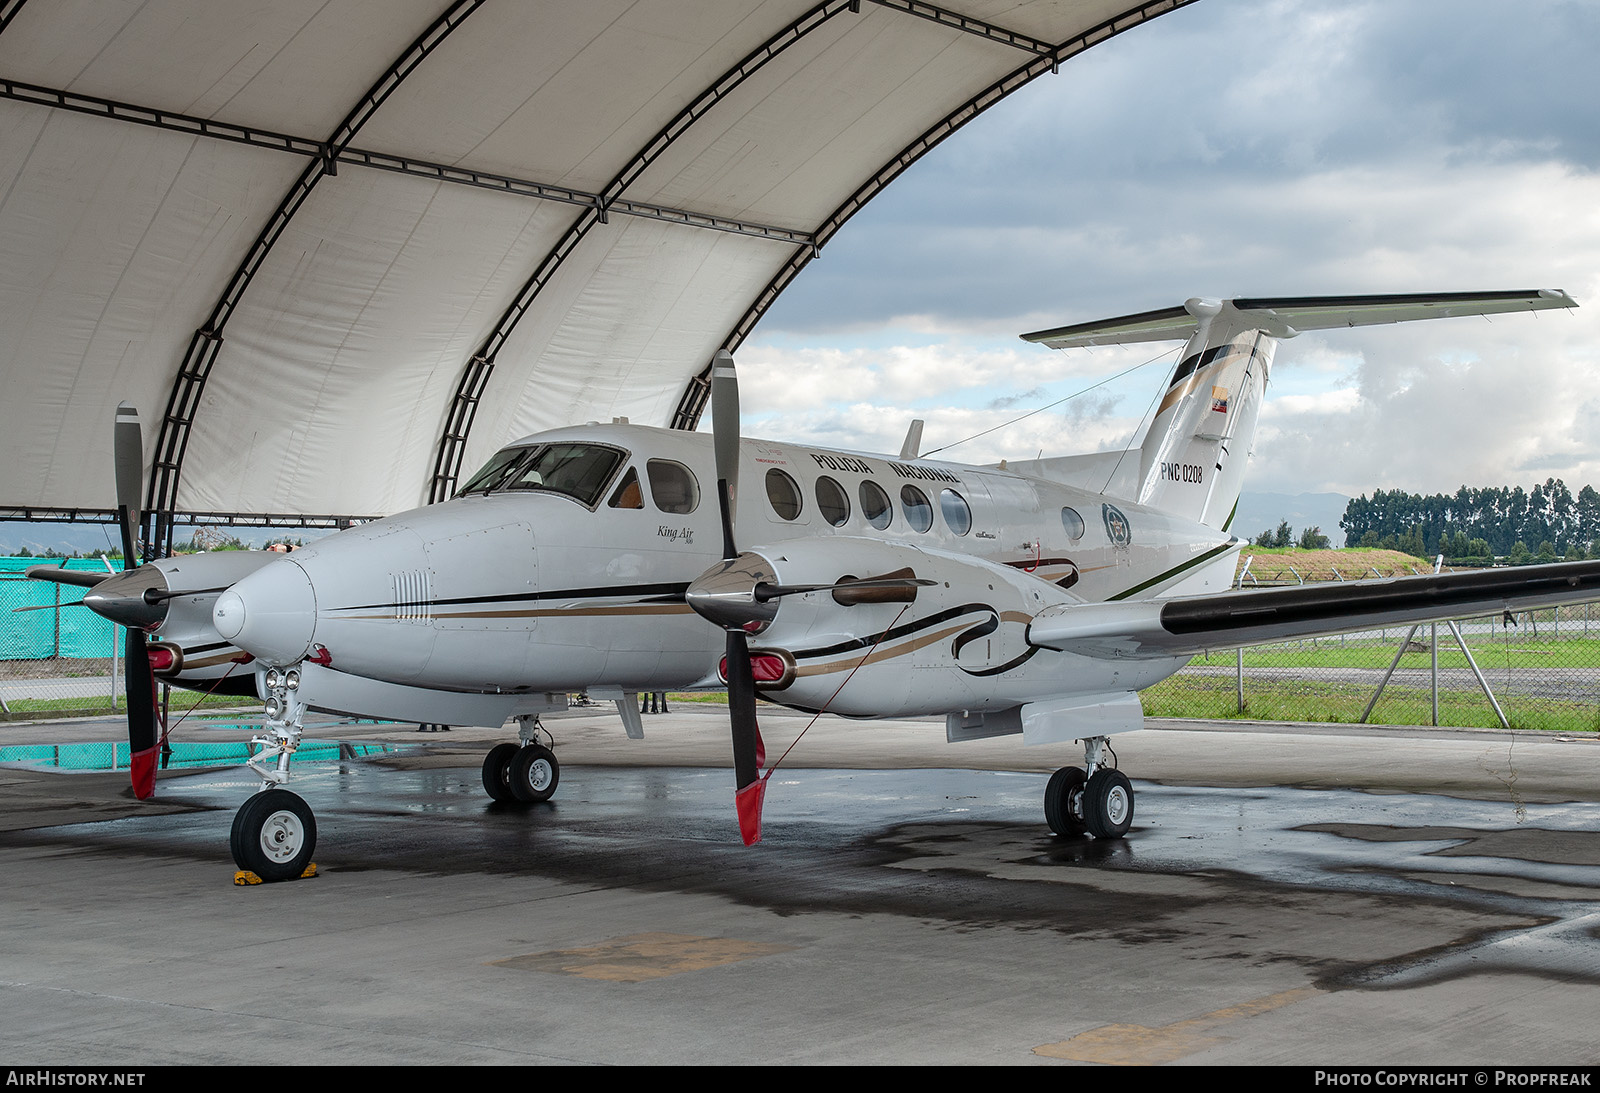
x: 819, y: 53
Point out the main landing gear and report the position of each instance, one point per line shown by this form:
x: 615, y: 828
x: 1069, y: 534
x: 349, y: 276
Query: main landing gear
x: 274, y: 832
x: 522, y: 774
x: 1097, y: 801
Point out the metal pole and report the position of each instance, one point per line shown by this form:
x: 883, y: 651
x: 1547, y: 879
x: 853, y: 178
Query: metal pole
x: 115, y: 653
x: 1239, y: 676
x: 57, y: 613
x: 1498, y: 712
x: 1384, y: 682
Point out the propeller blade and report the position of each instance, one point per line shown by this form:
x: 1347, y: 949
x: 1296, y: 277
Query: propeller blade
x: 82, y: 578
x: 141, y: 715
x: 49, y: 606
x: 725, y: 441
x: 746, y: 737
x: 128, y: 453
x: 128, y: 459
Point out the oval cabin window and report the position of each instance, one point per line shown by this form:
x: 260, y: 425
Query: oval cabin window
x: 783, y: 494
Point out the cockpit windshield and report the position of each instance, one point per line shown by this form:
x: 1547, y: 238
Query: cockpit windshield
x: 493, y: 471
x: 576, y: 470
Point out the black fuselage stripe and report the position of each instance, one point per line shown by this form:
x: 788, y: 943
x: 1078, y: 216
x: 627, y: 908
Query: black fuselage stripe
x: 869, y: 640
x: 672, y: 589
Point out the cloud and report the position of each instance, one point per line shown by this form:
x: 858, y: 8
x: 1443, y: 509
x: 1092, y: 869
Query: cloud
x: 1265, y: 148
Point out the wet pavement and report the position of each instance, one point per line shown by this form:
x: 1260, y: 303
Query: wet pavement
x: 910, y: 913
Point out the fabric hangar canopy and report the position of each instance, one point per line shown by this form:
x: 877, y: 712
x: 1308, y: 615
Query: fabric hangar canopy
x: 338, y: 251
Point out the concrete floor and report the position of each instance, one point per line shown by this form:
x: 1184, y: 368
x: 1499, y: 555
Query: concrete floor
x: 1305, y: 895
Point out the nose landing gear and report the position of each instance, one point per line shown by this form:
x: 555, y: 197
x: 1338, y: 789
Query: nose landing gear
x: 274, y: 833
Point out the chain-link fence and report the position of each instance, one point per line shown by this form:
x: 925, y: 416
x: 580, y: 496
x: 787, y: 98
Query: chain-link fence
x: 1530, y: 670
x: 1538, y: 669
x: 57, y: 658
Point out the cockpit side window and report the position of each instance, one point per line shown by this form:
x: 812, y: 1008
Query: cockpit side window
x: 575, y: 470
x: 673, y: 486
x: 493, y: 471
x: 627, y: 495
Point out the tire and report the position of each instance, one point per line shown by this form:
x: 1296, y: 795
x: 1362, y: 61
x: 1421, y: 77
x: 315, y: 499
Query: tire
x: 274, y: 834
x: 1063, y: 801
x: 497, y: 771
x: 1108, y: 805
x: 534, y: 774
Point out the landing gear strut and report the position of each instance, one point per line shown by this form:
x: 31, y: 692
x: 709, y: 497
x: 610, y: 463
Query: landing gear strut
x: 525, y: 774
x: 1098, y: 800
x: 274, y: 833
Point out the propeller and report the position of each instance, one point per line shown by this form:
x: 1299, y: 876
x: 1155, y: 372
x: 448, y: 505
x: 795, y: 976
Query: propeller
x: 750, y: 786
x: 128, y: 455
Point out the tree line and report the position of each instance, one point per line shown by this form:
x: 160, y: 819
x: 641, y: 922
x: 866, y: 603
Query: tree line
x: 1544, y: 523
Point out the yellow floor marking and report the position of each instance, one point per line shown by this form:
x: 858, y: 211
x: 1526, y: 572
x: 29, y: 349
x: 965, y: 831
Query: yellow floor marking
x: 1136, y: 1045
x: 639, y: 957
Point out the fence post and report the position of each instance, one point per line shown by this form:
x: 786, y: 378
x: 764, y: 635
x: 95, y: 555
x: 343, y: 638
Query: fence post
x: 1239, y: 675
x: 1433, y: 642
x: 114, y: 673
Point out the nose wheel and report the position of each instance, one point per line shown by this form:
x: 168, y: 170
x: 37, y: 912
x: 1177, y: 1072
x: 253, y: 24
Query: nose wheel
x: 274, y: 834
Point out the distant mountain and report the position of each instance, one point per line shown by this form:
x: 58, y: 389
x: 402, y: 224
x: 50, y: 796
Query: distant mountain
x: 93, y: 538
x: 64, y: 538
x: 1260, y: 512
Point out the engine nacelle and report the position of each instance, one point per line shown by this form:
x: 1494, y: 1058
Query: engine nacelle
x: 887, y: 651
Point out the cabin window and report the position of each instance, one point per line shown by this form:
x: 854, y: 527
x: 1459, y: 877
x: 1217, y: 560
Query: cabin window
x: 832, y: 501
x: 784, y: 495
x: 578, y: 471
x: 1073, y: 523
x: 493, y: 471
x: 673, y: 486
x: 628, y: 495
x: 918, y: 511
x: 957, y: 516
x: 874, y: 504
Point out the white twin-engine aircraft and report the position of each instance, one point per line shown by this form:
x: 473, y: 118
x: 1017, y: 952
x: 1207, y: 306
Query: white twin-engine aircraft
x: 1020, y: 599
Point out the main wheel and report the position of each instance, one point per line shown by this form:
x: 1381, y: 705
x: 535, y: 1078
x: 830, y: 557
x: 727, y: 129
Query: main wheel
x: 1063, y: 801
x: 497, y: 771
x: 1108, y: 804
x: 534, y: 774
x: 273, y: 835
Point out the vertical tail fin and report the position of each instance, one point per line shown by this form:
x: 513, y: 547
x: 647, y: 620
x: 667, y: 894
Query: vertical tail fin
x: 1195, y: 452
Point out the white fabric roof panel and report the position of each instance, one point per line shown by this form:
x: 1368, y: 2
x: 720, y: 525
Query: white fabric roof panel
x: 340, y: 363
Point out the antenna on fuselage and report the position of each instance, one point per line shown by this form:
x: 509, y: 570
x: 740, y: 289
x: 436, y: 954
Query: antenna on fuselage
x: 911, y: 446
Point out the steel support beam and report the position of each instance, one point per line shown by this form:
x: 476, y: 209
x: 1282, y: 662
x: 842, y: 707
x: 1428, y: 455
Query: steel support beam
x: 479, y: 368
x: 692, y: 403
x: 382, y: 161
x: 8, y: 12
x: 194, y: 370
x: 956, y: 21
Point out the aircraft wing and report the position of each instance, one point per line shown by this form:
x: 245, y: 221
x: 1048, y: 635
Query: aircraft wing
x: 1285, y: 316
x: 1191, y: 624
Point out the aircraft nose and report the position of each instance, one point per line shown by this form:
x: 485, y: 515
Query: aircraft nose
x: 272, y: 613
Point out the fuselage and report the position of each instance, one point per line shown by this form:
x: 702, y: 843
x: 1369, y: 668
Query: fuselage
x: 562, y: 565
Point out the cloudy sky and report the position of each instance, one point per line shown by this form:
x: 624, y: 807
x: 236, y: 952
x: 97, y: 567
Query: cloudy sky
x: 1237, y: 147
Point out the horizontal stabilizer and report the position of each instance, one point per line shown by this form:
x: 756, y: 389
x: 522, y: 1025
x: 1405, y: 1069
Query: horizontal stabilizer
x: 1286, y: 316
x: 1193, y: 624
